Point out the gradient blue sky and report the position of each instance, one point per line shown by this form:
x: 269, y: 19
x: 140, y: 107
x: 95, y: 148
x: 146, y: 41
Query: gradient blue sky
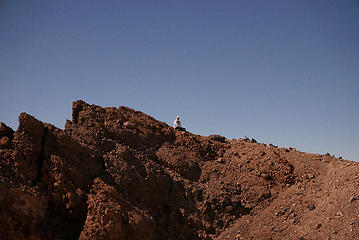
x: 283, y: 72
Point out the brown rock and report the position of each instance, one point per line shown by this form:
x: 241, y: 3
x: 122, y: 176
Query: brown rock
x: 352, y: 199
x: 311, y: 207
x: 6, y: 131
x: 5, y: 142
x: 110, y: 216
x: 217, y: 138
x: 117, y: 173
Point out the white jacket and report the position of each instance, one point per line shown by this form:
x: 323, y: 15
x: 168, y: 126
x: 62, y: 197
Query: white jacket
x: 177, y: 123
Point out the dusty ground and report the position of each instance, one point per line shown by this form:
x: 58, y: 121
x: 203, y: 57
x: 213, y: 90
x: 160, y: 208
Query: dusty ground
x: 116, y: 173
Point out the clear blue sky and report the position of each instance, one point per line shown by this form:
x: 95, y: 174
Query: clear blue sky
x: 283, y: 72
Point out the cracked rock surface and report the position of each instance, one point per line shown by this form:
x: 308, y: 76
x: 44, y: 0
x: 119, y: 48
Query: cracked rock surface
x: 117, y: 173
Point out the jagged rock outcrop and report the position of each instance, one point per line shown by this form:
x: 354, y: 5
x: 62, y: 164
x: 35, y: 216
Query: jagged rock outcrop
x: 117, y: 173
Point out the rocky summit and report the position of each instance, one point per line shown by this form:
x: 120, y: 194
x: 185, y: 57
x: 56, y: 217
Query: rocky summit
x: 117, y: 173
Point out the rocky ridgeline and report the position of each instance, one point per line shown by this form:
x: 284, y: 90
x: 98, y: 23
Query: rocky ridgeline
x: 117, y: 173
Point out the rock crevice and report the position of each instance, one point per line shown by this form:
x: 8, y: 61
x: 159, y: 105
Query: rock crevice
x: 117, y: 173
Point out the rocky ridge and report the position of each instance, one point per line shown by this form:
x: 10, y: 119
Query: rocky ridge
x: 117, y: 173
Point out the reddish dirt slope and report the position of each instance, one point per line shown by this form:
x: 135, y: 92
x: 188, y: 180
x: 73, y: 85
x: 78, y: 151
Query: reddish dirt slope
x: 117, y: 173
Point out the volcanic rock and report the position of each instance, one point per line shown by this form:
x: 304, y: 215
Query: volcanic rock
x: 218, y: 138
x: 6, y: 131
x: 117, y: 173
x: 4, y: 142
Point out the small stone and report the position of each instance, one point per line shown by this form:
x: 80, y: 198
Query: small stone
x: 311, y: 207
x: 311, y: 176
x: 339, y: 214
x: 292, y: 214
x: 296, y: 221
x: 5, y: 141
x: 352, y: 199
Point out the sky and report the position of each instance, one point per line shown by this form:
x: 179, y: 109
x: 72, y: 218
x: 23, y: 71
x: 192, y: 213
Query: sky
x: 283, y: 72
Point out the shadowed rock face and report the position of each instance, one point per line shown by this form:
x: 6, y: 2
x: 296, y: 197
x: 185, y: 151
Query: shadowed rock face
x: 117, y: 173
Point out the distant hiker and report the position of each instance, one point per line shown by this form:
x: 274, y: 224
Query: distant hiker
x: 177, y: 124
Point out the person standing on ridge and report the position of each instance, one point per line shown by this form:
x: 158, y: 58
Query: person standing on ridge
x: 177, y: 125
